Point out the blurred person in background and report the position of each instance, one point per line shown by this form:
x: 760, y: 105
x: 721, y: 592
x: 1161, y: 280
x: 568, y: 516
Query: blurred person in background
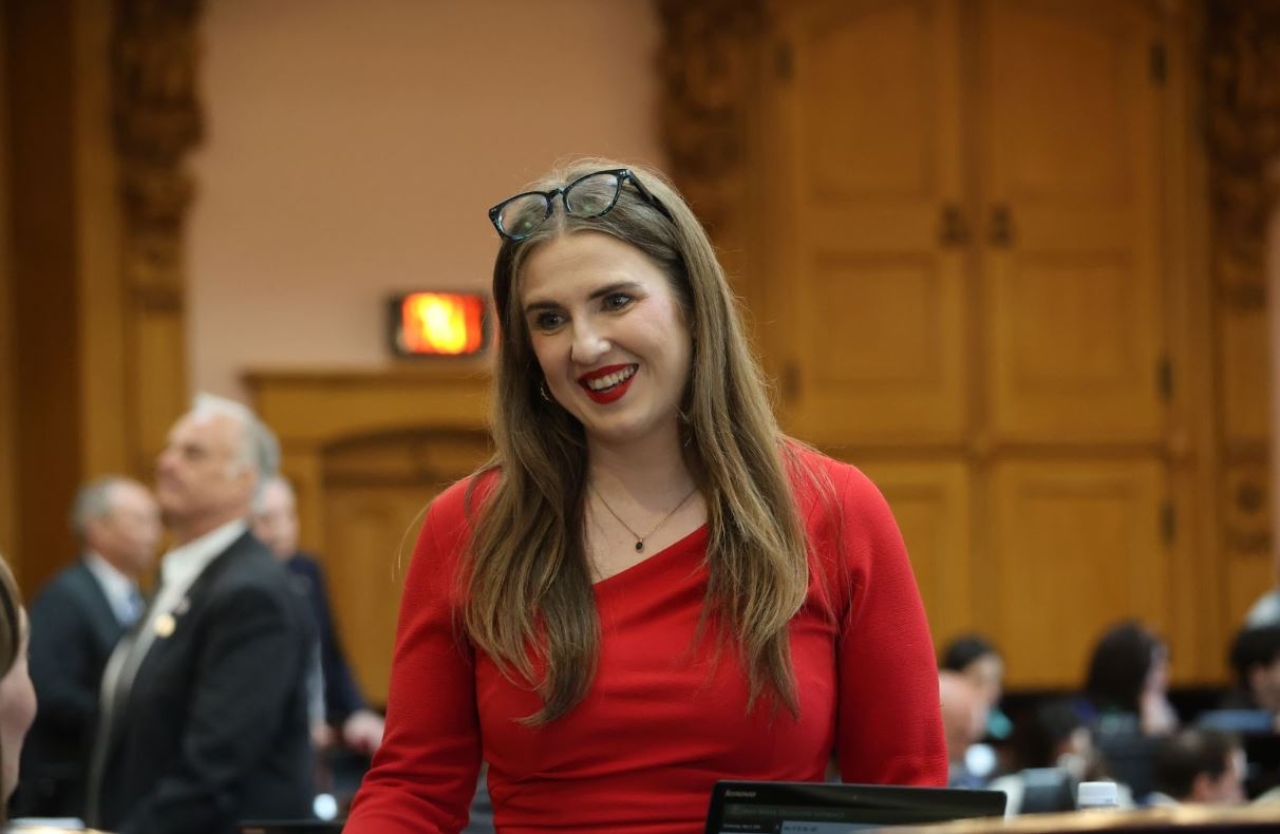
x: 1126, y: 703
x: 204, y: 716
x: 17, y: 695
x: 1265, y: 611
x: 76, y: 621
x: 275, y: 522
x: 1200, y: 767
x: 964, y: 720
x: 1127, y: 686
x: 1255, y: 659
x: 978, y: 659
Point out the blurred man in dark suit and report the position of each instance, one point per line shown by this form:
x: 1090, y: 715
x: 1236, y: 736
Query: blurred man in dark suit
x: 76, y: 621
x: 275, y: 522
x: 204, y: 705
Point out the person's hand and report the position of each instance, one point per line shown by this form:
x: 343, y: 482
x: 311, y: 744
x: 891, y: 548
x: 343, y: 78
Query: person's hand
x: 322, y: 736
x: 362, y: 731
x: 1158, y: 716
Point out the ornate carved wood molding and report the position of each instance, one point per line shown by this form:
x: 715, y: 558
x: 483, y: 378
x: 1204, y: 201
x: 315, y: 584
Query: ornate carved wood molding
x: 707, y: 67
x: 1247, y: 522
x: 1242, y: 97
x: 157, y: 122
x: 1242, y: 101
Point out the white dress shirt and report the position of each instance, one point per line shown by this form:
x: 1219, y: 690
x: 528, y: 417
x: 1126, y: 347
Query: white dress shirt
x: 121, y: 592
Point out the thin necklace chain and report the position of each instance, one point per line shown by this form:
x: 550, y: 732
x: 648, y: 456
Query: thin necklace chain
x: 639, y: 538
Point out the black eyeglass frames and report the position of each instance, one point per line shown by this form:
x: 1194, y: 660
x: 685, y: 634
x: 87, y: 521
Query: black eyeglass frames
x: 591, y: 195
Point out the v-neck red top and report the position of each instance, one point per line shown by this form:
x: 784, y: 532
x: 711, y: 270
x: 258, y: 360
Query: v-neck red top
x: 666, y: 716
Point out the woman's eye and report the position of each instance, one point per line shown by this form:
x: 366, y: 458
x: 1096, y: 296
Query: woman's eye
x: 548, y: 321
x: 617, y: 301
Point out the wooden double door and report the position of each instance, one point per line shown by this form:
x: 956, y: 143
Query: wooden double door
x: 968, y: 293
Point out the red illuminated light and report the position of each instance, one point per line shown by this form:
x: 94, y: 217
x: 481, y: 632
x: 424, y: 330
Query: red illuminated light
x: 446, y: 324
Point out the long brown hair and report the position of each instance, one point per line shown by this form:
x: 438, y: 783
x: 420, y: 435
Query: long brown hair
x: 10, y: 618
x: 528, y: 581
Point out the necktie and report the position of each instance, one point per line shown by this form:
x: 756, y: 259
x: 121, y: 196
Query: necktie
x: 133, y: 608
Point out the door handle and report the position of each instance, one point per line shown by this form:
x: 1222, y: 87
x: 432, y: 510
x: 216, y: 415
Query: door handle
x: 1001, y: 233
x: 953, y: 231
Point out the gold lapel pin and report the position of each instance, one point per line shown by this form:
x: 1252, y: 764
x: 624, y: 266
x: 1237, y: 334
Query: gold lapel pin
x: 164, y: 625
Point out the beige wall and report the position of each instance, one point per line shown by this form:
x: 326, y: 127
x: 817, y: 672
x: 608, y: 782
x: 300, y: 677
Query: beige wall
x: 354, y: 148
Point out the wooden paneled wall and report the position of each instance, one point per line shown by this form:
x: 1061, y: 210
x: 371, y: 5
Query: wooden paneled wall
x: 1048, y: 401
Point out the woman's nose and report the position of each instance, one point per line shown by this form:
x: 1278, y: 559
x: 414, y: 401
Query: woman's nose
x: 589, y: 344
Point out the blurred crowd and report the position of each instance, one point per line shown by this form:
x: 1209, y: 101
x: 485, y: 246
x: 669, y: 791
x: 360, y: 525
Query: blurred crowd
x: 1121, y: 725
x: 220, y: 686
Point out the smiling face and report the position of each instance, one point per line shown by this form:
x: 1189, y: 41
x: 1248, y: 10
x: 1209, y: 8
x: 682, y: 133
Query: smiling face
x: 610, y: 336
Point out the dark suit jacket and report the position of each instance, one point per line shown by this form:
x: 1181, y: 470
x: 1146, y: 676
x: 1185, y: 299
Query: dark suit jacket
x: 341, y: 695
x: 73, y: 630
x: 214, y: 728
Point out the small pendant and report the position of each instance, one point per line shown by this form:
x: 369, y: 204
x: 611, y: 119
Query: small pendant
x: 639, y: 547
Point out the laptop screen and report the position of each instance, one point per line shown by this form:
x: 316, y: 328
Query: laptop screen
x: 826, y: 808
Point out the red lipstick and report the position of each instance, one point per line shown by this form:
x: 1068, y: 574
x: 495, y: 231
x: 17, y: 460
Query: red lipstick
x: 614, y: 392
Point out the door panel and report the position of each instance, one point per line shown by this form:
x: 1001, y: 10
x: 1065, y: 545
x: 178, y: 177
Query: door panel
x: 375, y: 495
x: 1078, y: 547
x: 1072, y: 206
x: 873, y: 313
x: 370, y: 533
x: 932, y: 506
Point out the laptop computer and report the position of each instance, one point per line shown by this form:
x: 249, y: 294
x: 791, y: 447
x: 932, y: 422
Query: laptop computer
x: 830, y: 808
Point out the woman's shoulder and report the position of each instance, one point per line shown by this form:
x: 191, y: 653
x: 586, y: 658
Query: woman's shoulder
x: 815, y: 475
x: 465, y: 495
x: 452, y: 512
x: 843, y: 511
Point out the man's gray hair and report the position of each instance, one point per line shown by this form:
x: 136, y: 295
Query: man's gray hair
x: 93, y: 501
x: 259, y: 501
x: 258, y: 448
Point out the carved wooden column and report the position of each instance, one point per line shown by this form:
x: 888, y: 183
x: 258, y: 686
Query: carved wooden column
x: 100, y: 113
x: 1243, y: 124
x: 711, y: 62
x: 157, y: 121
